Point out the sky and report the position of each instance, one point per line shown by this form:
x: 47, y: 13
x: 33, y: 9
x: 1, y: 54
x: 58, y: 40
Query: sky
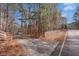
x: 68, y: 10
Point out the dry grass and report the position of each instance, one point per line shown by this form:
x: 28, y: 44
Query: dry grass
x: 10, y: 47
x: 58, y: 36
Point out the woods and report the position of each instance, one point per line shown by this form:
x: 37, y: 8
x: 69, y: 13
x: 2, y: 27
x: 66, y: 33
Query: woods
x: 35, y: 28
x: 33, y: 19
x: 38, y: 29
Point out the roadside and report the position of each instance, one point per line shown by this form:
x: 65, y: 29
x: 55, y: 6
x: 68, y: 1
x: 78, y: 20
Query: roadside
x: 58, y: 49
x: 30, y: 46
x: 42, y: 47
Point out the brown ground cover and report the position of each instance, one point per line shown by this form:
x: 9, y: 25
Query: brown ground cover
x: 54, y: 35
x: 10, y: 47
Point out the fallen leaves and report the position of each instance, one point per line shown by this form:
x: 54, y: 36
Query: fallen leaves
x: 10, y: 47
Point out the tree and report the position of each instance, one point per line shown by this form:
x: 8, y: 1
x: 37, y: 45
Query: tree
x: 76, y: 18
x: 23, y: 15
x: 55, y: 16
x: 63, y: 22
x: 10, y: 18
x: 40, y: 18
x: 43, y: 14
x: 23, y: 19
x: 6, y: 18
